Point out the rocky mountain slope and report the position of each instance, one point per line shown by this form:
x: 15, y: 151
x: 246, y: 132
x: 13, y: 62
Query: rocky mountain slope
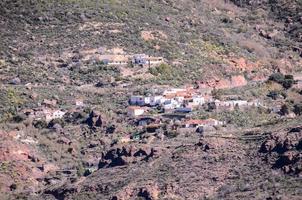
x: 196, y: 35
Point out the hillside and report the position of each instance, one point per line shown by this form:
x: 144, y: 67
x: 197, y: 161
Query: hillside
x: 197, y: 36
x: 158, y: 99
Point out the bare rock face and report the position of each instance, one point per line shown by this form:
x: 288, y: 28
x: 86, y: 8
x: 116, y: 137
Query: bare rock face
x: 21, y: 159
x: 94, y: 119
x: 283, y: 150
x: 34, y: 96
x: 15, y: 81
x: 268, y: 34
x: 49, y: 103
x: 203, y: 145
x: 241, y: 64
x: 234, y: 81
x: 268, y: 146
x: 150, y: 191
x: 238, y: 81
x: 125, y: 155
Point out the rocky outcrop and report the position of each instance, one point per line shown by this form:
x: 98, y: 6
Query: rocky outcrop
x: 238, y: 81
x: 283, y: 150
x: 241, y: 64
x: 15, y: 81
x: 19, y: 161
x: 153, y: 35
x: 267, y: 33
x: 150, y: 191
x: 125, y: 155
x: 49, y: 103
x: 94, y: 119
x: 232, y: 82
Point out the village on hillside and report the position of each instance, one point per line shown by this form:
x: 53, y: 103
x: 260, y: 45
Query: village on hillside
x: 118, y: 57
x: 173, y: 106
x: 178, y: 104
x: 167, y: 105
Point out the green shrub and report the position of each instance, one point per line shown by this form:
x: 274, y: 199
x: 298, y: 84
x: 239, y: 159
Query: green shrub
x: 80, y: 169
x: 277, y: 77
x: 162, y: 69
x: 19, y: 118
x: 40, y: 124
x: 153, y: 71
x: 286, y: 81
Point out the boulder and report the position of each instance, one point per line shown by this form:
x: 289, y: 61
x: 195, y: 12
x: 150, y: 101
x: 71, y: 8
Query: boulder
x: 126, y: 155
x: 94, y: 119
x: 267, y: 146
x: 15, y: 81
x: 34, y: 96
x: 49, y: 103
x: 64, y: 140
x: 268, y: 34
x: 111, y: 129
x: 283, y: 150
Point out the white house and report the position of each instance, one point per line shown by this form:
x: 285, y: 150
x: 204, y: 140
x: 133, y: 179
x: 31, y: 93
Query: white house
x: 199, y: 100
x: 155, y: 60
x: 193, y: 123
x: 50, y: 115
x: 179, y: 99
x: 170, y: 104
x: 239, y: 103
x: 134, y: 111
x: 147, y: 100
x: 79, y: 103
x: 156, y: 100
x: 231, y: 104
x: 255, y: 103
x: 173, y: 91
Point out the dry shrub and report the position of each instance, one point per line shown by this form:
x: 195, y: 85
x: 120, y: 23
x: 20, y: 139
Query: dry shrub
x: 222, y: 5
x: 273, y: 86
x: 254, y: 47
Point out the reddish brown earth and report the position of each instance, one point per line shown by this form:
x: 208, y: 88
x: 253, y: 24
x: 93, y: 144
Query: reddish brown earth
x: 21, y: 165
x: 183, y: 169
x: 233, y: 82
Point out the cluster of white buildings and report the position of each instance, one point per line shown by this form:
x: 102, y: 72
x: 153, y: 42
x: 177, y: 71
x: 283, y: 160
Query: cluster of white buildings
x: 125, y: 59
x: 232, y: 104
x: 176, y: 99
x: 195, y: 123
x: 46, y: 114
x: 182, y: 100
